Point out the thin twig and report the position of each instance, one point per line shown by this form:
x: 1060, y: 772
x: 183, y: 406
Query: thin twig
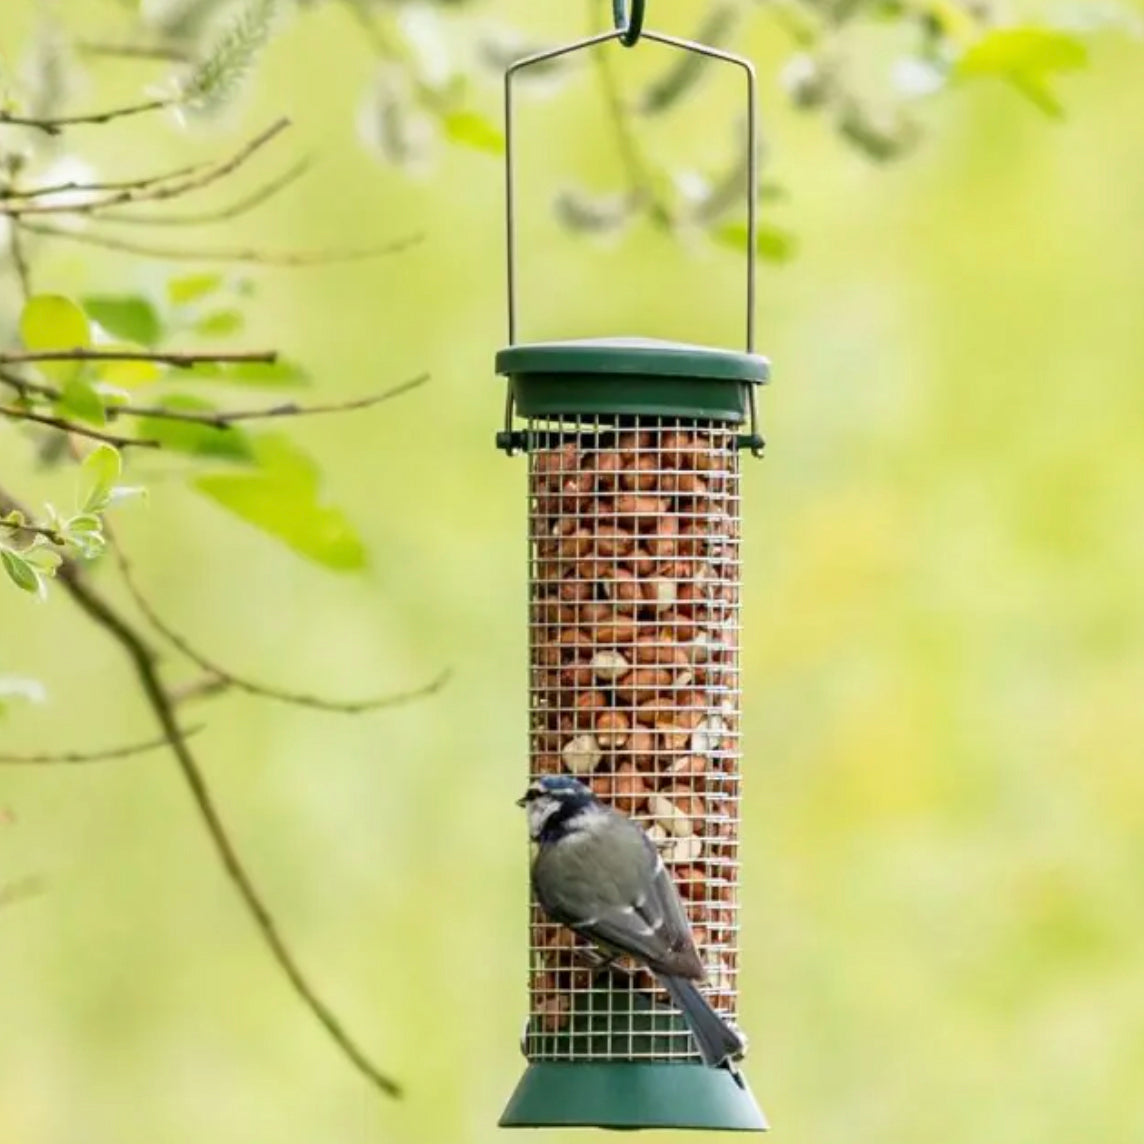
x: 156, y: 190
x: 20, y: 262
x: 133, y: 51
x: 50, y: 534
x: 53, y: 126
x: 260, y: 257
x: 223, y: 419
x: 9, y: 193
x: 176, y: 358
x: 297, y: 699
x: 73, y: 758
x: 202, y: 688
x: 242, y: 206
x: 15, y: 414
x: 23, y: 387
x: 142, y: 657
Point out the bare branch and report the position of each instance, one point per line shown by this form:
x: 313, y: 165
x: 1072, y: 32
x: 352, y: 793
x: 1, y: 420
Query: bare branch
x: 142, y: 657
x: 72, y: 758
x: 49, y: 534
x: 260, y: 257
x: 155, y: 189
x: 202, y: 688
x: 53, y: 126
x: 133, y: 51
x: 223, y: 419
x: 241, y: 207
x: 14, y: 413
x: 297, y: 699
x: 176, y: 358
x: 20, y: 262
x: 7, y: 194
x: 23, y: 387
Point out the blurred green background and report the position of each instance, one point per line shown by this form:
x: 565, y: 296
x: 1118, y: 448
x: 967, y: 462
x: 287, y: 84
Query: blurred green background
x: 944, y: 635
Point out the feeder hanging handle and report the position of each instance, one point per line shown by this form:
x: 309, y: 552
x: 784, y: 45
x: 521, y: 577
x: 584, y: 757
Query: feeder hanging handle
x: 628, y: 17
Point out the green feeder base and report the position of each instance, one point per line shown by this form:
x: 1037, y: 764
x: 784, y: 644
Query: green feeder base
x: 622, y: 1094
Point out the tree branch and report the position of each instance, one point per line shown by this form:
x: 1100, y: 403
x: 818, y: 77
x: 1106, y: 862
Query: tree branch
x: 20, y: 262
x: 297, y: 699
x: 223, y: 419
x: 241, y: 207
x: 7, y: 194
x: 53, y: 126
x: 49, y: 534
x: 77, y: 757
x: 260, y: 257
x: 13, y: 413
x: 142, y: 658
x: 153, y: 189
x: 133, y: 51
x: 177, y: 358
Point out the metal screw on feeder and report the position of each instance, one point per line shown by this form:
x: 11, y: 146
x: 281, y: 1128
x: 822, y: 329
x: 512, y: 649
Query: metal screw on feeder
x: 633, y: 451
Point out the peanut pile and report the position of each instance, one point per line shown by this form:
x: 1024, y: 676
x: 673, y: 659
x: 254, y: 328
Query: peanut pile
x: 634, y: 652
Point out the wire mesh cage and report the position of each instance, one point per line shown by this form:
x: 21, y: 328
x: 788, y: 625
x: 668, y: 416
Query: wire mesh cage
x: 634, y: 651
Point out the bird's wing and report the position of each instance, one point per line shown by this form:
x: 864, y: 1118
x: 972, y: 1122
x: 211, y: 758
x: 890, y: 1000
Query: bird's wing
x: 613, y: 889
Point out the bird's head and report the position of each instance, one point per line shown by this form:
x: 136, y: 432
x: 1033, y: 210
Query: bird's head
x: 554, y: 802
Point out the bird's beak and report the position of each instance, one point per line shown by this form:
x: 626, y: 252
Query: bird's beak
x: 522, y: 800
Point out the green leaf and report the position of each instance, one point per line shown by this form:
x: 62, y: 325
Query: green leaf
x: 128, y: 317
x: 1026, y: 57
x: 191, y: 287
x: 43, y: 560
x: 220, y: 324
x: 194, y: 438
x: 772, y: 243
x: 281, y: 499
x: 53, y: 322
x: 129, y: 372
x: 1008, y: 51
x: 100, y: 470
x: 20, y: 572
x: 79, y: 400
x: 281, y: 374
x: 472, y: 129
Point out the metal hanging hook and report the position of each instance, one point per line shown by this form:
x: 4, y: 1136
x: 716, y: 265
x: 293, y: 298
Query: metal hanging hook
x: 630, y: 24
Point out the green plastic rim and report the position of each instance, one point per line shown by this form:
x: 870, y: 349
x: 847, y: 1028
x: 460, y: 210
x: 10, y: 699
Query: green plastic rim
x: 624, y: 377
x: 632, y: 1094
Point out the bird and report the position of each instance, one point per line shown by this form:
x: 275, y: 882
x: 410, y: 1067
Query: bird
x: 597, y: 872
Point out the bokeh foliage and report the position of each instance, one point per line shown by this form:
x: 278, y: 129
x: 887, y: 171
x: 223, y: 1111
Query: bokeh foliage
x: 943, y: 925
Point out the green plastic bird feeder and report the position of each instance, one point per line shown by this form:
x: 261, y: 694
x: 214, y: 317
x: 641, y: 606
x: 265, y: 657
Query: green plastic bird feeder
x: 633, y: 450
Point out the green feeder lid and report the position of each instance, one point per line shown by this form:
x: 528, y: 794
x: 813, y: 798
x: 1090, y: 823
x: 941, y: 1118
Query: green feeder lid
x: 649, y: 357
x: 631, y: 376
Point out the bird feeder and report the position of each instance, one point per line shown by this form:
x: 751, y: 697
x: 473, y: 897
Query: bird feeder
x: 633, y: 449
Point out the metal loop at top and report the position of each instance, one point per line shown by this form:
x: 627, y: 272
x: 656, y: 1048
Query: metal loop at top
x: 741, y: 62
x: 630, y: 25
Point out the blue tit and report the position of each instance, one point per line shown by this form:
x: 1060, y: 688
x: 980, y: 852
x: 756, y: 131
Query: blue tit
x: 598, y: 873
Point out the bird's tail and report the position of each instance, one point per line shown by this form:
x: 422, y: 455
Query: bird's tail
x: 718, y: 1043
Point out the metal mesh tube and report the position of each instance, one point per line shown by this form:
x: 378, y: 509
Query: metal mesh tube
x: 634, y: 653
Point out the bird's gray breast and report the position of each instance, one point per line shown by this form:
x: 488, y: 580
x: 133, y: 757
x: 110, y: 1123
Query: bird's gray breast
x: 604, y: 865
